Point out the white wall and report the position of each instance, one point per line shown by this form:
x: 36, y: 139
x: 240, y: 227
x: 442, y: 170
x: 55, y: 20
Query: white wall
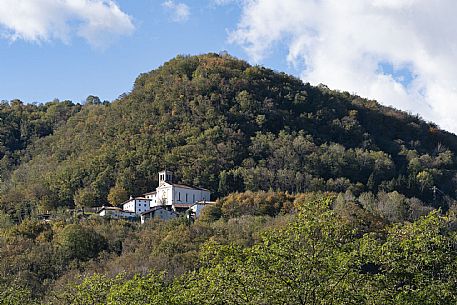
x: 170, y: 194
x: 142, y: 205
x: 137, y: 205
x: 197, y: 209
x: 153, y: 198
x: 129, y: 205
x: 189, y: 196
x: 159, y: 214
x: 116, y: 213
x: 164, y: 192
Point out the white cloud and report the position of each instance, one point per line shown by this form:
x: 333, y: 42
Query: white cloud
x: 345, y: 44
x: 180, y: 12
x: 97, y: 21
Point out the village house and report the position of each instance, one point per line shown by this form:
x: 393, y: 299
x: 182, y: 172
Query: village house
x: 158, y: 212
x: 136, y: 205
x: 115, y: 212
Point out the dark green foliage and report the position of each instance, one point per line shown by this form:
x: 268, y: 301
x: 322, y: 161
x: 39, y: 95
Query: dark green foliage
x: 12, y: 294
x: 78, y: 242
x: 317, y: 257
x: 219, y: 123
x: 21, y: 124
x: 259, y: 137
x: 334, y: 249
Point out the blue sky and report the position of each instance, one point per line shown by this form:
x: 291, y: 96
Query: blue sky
x: 402, y: 53
x: 39, y: 71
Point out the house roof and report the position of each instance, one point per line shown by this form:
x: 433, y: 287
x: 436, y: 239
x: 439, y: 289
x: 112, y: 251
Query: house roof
x: 150, y: 193
x: 109, y: 208
x: 183, y: 205
x: 189, y: 205
x: 136, y: 198
x: 203, y: 202
x: 156, y: 208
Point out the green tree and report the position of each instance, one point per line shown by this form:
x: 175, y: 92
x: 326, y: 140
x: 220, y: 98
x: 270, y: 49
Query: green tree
x: 117, y: 195
x: 425, y: 180
x: 86, y: 197
x: 13, y: 294
x: 78, y: 242
x: 414, y: 265
x: 150, y: 289
x: 312, y: 261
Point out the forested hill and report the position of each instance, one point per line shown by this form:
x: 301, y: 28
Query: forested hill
x: 223, y: 124
x: 22, y: 124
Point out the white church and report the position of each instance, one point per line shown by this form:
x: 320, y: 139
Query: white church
x: 170, y: 197
x: 177, y: 196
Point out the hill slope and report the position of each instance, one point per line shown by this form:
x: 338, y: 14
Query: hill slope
x: 220, y: 123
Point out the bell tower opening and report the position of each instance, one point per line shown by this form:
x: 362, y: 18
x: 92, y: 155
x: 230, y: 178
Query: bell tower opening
x: 165, y: 176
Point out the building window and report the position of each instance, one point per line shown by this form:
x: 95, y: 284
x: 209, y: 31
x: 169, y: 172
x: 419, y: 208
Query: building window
x: 186, y: 197
x: 179, y: 196
x: 193, y: 197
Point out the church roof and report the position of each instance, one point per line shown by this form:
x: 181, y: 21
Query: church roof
x: 184, y: 186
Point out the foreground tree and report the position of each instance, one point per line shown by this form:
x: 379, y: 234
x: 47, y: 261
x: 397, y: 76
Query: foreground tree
x: 312, y: 261
x: 414, y: 264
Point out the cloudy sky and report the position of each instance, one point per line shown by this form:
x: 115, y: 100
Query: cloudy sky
x: 401, y: 52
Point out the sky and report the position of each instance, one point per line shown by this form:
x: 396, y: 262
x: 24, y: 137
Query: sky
x: 402, y: 53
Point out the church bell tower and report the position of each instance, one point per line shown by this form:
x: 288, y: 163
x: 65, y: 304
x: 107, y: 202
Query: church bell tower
x: 165, y: 176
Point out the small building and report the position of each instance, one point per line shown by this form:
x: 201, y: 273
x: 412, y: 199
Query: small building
x: 115, y: 212
x: 137, y: 205
x: 197, y: 207
x: 157, y: 212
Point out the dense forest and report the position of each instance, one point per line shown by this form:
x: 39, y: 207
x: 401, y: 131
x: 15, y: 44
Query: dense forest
x: 324, y: 197
x: 248, y: 248
x: 222, y: 124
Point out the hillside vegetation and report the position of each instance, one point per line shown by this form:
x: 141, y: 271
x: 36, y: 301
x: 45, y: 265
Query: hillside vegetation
x: 323, y: 197
x: 222, y: 124
x: 328, y: 250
